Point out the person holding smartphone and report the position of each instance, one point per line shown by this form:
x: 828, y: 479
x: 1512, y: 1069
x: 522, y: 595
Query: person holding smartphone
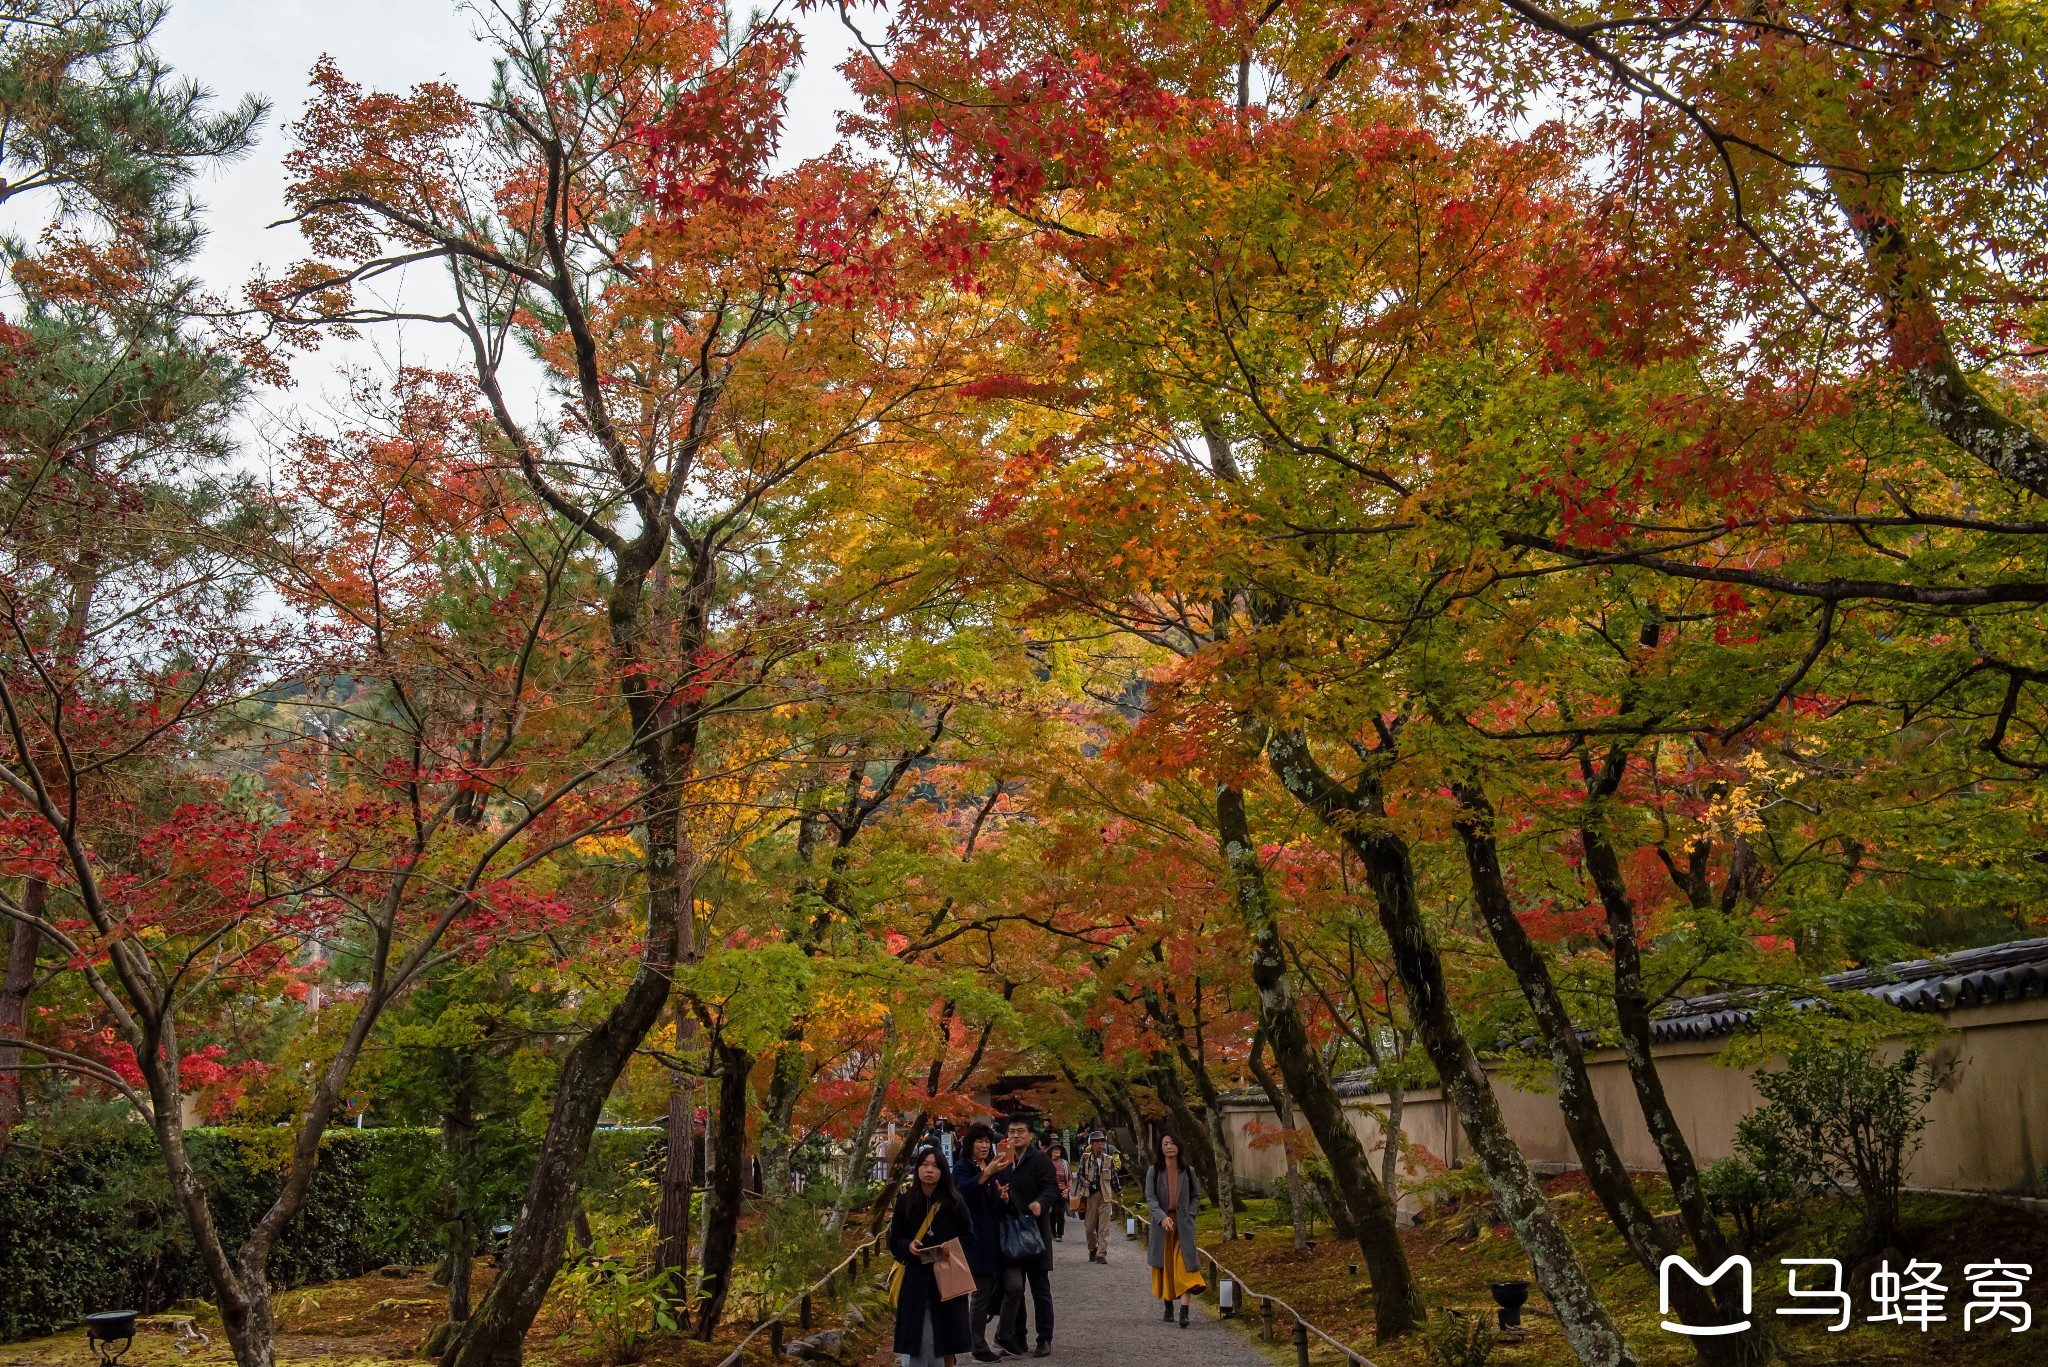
x: 982, y: 1159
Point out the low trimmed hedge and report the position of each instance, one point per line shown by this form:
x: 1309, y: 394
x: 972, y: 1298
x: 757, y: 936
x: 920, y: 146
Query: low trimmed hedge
x: 93, y: 1226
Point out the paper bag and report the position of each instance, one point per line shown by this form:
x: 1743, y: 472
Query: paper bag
x: 955, y: 1277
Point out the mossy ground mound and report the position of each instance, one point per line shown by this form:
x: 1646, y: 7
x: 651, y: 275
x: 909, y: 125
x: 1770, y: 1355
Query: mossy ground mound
x: 1456, y: 1255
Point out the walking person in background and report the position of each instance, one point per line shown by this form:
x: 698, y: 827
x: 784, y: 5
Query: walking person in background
x: 1061, y: 1174
x: 982, y: 1159
x: 929, y: 1331
x: 1172, y: 1195
x: 1095, y: 1186
x: 1030, y: 1187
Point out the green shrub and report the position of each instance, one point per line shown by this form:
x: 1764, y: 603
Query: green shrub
x: 784, y: 1252
x: 1747, y: 1193
x: 614, y: 1301
x: 92, y: 1225
x: 1453, y: 1188
x: 87, y: 1221
x: 622, y: 1174
x: 1842, y: 1116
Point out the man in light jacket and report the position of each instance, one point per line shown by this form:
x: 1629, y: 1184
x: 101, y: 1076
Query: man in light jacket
x: 1095, y: 1181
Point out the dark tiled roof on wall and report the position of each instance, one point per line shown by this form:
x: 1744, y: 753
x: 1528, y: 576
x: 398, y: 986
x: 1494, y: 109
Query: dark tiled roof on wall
x: 2012, y: 971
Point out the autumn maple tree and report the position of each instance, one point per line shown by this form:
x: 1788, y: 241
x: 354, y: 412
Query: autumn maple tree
x: 1200, y: 548
x: 722, y: 336
x: 415, y: 779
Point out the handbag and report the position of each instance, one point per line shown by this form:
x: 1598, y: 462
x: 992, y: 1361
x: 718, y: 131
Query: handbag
x: 896, y: 1273
x: 1020, y: 1239
x: 954, y: 1276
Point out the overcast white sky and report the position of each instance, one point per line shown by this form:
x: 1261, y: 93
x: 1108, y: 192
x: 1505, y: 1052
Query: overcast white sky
x: 268, y: 47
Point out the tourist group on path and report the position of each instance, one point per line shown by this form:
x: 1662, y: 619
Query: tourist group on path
x: 972, y: 1241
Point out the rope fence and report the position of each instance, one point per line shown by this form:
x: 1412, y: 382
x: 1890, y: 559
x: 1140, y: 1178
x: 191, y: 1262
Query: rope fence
x: 1303, y: 1329
x: 801, y: 1302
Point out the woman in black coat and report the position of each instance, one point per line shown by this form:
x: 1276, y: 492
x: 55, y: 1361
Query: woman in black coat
x: 974, y: 1174
x: 929, y: 1331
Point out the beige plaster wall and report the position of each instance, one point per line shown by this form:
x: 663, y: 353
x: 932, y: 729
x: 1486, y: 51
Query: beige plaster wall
x: 1987, y: 1128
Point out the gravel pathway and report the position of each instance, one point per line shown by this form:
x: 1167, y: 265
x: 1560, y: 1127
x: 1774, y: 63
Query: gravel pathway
x: 1106, y: 1317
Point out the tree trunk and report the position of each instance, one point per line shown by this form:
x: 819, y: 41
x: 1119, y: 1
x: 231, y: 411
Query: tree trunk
x: 1127, y: 1110
x: 495, y: 1335
x: 710, y: 1155
x: 678, y: 1169
x: 1580, y: 1106
x: 777, y: 1134
x: 1587, y: 1326
x: 458, y: 1135
x: 1397, y: 1301
x: 252, y: 1326
x: 1583, y: 1121
x: 244, y: 1302
x: 1283, y: 1111
x: 1226, y: 1173
x: 15, y: 986
x: 1920, y: 343
x: 899, y: 1168
x: 678, y: 1183
x: 723, y: 1195
x: 864, y: 1137
x: 1388, y: 1080
x: 1632, y: 1015
x: 1197, y: 1061
x: 458, y: 1138
x: 1189, y: 1128
x: 1390, y: 1143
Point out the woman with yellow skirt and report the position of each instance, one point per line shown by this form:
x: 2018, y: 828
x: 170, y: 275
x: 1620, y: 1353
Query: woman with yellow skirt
x: 1173, y: 1195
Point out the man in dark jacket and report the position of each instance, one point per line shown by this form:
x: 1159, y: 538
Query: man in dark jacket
x: 1032, y: 1187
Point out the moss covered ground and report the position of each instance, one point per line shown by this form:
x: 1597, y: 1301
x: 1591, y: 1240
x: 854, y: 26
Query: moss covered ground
x: 1460, y: 1249
x: 384, y: 1319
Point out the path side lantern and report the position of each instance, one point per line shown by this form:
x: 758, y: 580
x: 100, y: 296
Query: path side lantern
x: 1509, y: 1296
x: 501, y: 1235
x: 1226, y: 1298
x: 108, y: 1334
x: 1130, y: 1226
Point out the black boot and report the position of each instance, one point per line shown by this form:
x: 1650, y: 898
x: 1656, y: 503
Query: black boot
x: 1168, y: 1316
x: 1183, y: 1315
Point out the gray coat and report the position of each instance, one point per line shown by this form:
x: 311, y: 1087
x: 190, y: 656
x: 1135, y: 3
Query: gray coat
x: 1183, y: 1219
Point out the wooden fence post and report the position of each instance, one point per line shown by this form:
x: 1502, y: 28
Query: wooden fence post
x: 1266, y: 1314
x: 803, y: 1314
x: 1301, y: 1343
